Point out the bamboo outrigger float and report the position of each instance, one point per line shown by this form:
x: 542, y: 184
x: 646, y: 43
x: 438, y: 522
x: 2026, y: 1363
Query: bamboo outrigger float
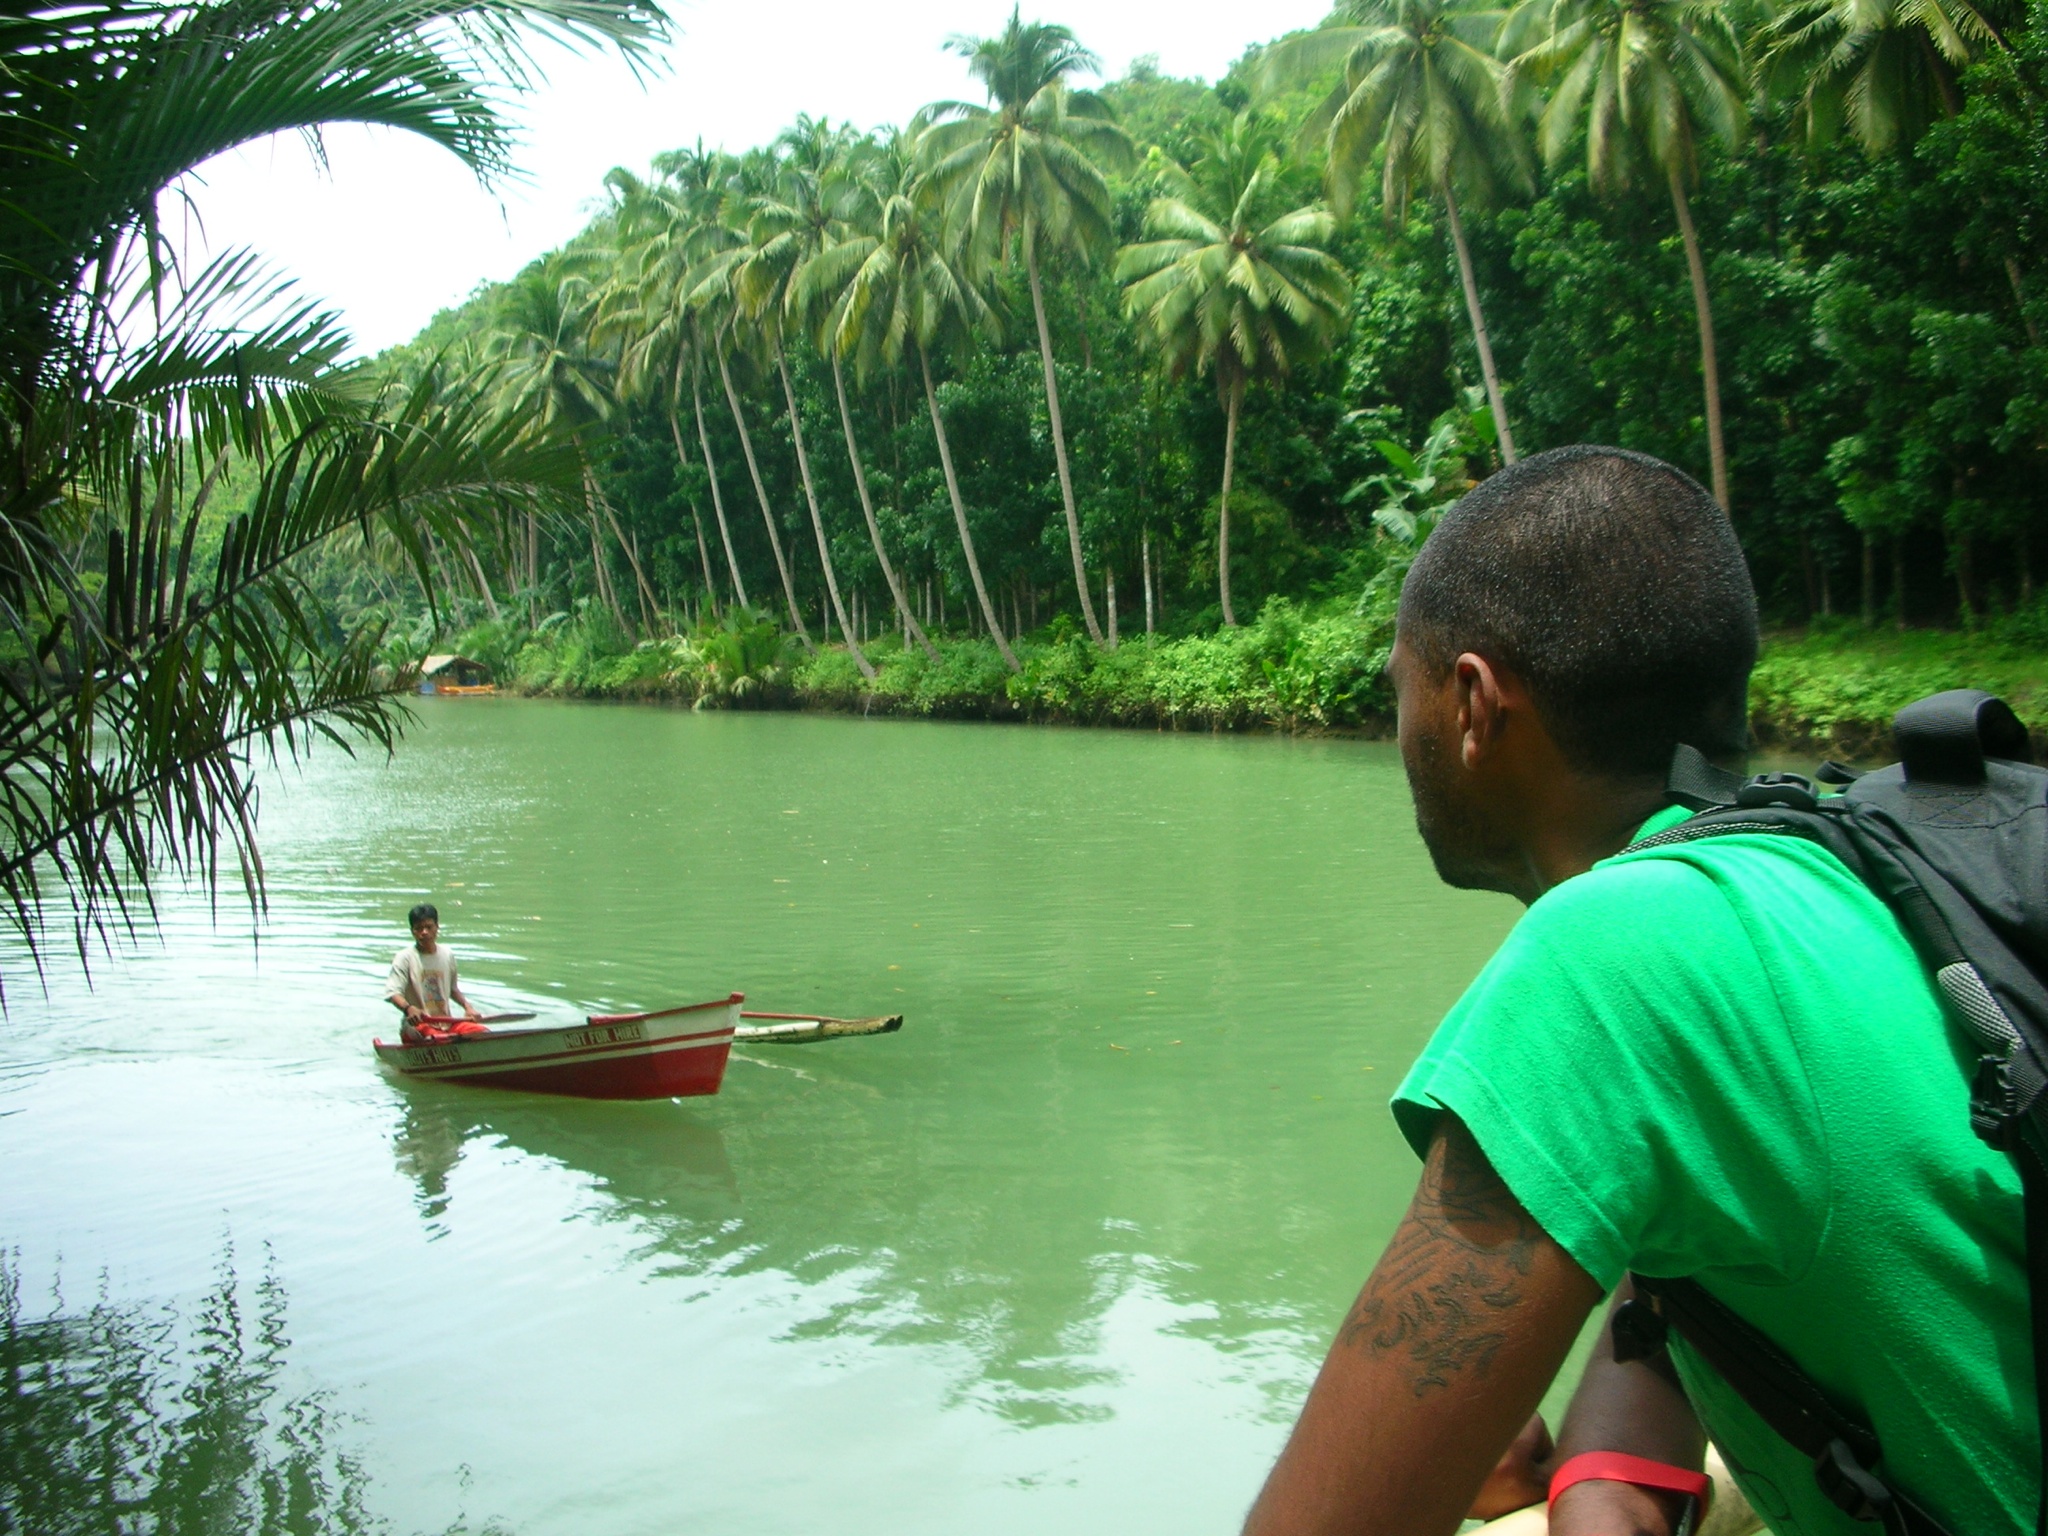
x: 804, y: 1028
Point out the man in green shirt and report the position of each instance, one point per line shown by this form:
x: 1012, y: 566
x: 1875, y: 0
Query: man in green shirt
x: 1720, y: 1059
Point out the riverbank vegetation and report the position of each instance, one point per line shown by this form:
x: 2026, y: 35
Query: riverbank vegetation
x: 1838, y: 686
x: 964, y: 406
x: 1293, y: 667
x: 1831, y: 687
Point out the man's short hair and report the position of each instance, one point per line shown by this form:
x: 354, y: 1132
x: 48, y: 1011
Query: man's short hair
x: 1614, y: 586
x: 420, y: 914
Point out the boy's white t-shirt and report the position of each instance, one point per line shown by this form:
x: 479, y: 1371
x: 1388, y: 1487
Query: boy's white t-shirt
x: 425, y: 981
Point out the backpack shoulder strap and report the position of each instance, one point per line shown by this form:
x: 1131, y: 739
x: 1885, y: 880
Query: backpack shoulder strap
x: 1699, y: 785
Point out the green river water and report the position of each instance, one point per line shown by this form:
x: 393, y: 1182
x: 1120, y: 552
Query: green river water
x: 1061, y: 1255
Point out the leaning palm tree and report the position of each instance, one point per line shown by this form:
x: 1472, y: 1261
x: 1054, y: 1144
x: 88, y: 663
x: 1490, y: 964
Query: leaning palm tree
x: 1232, y: 284
x: 699, y: 180
x: 143, y: 672
x: 818, y: 289
x: 711, y: 295
x: 1646, y: 80
x: 911, y: 296
x: 1028, y: 169
x: 559, y: 379
x: 799, y: 216
x: 1420, y: 89
x: 642, y: 308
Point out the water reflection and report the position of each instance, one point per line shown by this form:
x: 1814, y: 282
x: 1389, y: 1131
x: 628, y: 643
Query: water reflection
x: 1012, y: 1270
x: 656, y: 1160
x: 123, y: 1419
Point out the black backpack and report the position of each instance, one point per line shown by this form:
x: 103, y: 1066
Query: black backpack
x: 1954, y: 838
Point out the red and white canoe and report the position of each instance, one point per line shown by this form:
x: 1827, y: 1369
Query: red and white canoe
x: 669, y: 1054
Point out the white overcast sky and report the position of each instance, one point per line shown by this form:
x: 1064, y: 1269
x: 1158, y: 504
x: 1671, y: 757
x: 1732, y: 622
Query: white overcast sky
x: 396, y: 229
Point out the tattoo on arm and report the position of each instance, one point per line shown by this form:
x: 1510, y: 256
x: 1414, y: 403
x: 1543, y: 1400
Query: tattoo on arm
x: 1455, y: 1267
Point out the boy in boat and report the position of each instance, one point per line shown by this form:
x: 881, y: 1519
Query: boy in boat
x: 1719, y: 1059
x: 423, y: 980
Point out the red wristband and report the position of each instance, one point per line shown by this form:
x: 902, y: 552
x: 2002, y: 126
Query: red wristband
x: 1617, y: 1467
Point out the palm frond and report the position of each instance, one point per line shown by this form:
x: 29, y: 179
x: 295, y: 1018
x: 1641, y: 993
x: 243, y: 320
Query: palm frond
x: 151, y: 648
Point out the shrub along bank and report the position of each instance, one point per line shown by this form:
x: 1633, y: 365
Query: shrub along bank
x: 1298, y: 667
x: 1838, y: 686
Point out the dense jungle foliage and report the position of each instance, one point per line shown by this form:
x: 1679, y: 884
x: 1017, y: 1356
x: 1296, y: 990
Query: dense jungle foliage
x: 1863, y: 187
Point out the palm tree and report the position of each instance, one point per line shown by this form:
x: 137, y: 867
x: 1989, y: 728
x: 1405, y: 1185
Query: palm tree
x: 695, y: 232
x: 560, y: 380
x: 1232, y: 284
x: 732, y: 560
x: 1029, y: 167
x: 725, y: 341
x: 643, y: 307
x: 710, y: 290
x: 1647, y: 79
x: 1881, y: 68
x: 798, y: 217
x: 910, y: 295
x: 1886, y: 71
x: 151, y: 675
x: 818, y: 291
x: 676, y: 230
x: 1420, y: 82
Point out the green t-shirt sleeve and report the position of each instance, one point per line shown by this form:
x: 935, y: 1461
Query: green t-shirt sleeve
x: 1625, y: 1064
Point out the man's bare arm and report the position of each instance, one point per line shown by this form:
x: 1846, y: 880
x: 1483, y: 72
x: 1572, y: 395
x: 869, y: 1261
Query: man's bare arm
x: 1637, y: 1407
x: 1446, y: 1352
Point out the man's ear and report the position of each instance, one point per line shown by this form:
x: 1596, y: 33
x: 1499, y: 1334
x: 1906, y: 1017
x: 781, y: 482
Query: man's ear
x: 1482, y: 709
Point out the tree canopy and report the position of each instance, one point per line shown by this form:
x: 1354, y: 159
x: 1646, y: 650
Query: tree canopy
x: 1839, y: 332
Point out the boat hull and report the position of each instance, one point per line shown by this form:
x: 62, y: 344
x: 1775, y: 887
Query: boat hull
x: 671, y: 1054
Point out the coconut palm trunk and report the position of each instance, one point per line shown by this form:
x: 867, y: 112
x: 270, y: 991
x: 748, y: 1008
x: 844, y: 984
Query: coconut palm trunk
x: 704, y: 557
x: 483, y: 586
x: 867, y: 507
x: 1145, y: 577
x: 988, y: 609
x: 803, y: 467
x: 1059, y: 438
x: 1703, y: 311
x: 732, y: 397
x: 732, y: 564
x: 675, y: 430
x: 599, y: 566
x: 632, y: 553
x: 1480, y: 338
x: 532, y: 568
x: 1234, y: 402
